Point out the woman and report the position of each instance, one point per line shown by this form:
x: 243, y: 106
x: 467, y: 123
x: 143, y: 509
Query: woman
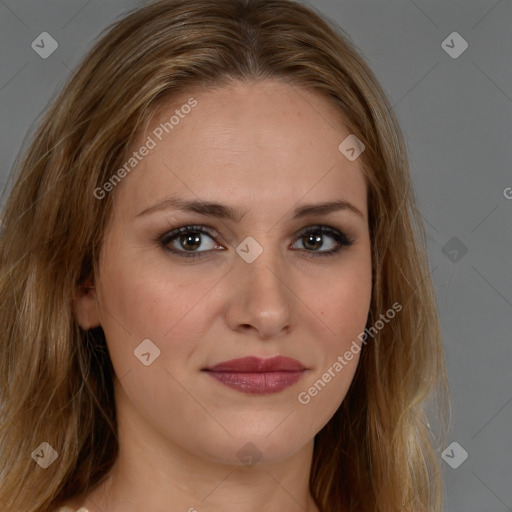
x: 214, y: 279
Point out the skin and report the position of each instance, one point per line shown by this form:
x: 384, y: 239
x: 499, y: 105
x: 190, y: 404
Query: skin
x: 265, y: 148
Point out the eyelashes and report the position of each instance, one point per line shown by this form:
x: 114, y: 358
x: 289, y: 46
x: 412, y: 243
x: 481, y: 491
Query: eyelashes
x: 193, y: 237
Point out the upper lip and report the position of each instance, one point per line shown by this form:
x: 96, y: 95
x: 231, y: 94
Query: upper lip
x: 257, y: 365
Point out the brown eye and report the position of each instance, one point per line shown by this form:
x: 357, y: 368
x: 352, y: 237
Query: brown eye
x: 185, y: 241
x: 313, y: 239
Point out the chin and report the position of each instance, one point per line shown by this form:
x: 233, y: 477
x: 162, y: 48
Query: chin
x: 256, y: 448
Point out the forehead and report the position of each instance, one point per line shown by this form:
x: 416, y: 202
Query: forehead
x: 243, y: 143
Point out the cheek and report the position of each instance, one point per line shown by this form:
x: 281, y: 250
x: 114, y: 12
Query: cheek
x: 343, y: 312
x: 151, y: 300
x: 349, y: 311
x: 341, y: 306
x: 344, y: 302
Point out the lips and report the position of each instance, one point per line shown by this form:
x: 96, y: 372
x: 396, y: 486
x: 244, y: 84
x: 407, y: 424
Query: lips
x: 257, y: 365
x: 258, y: 376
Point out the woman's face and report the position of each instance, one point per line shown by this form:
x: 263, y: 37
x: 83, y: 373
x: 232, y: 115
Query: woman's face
x: 256, y: 284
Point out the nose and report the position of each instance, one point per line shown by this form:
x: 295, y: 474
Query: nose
x: 262, y: 299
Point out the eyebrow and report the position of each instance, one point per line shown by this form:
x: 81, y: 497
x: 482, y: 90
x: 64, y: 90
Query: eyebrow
x: 223, y: 211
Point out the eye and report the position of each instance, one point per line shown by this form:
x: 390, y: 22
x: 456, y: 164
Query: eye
x: 313, y: 239
x: 186, y: 240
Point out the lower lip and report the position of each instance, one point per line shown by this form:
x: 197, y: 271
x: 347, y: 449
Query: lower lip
x: 257, y: 383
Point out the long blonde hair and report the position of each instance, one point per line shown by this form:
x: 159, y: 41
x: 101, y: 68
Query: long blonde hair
x: 378, y: 452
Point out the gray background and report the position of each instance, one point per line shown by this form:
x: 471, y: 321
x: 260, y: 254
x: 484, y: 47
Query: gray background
x: 456, y: 115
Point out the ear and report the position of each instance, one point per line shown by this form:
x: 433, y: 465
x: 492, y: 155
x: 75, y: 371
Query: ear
x: 87, y: 312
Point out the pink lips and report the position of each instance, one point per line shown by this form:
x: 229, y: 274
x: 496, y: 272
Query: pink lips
x: 258, y: 376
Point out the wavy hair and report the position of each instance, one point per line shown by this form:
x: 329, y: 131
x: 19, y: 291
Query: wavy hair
x: 378, y: 452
